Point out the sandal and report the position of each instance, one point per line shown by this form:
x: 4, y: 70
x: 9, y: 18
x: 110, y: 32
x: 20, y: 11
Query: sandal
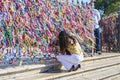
x: 79, y: 66
x: 72, y: 68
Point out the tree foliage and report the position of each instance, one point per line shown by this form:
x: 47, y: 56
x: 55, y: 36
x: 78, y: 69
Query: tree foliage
x: 108, y: 6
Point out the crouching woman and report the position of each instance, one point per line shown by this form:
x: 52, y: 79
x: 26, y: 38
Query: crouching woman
x: 71, y: 53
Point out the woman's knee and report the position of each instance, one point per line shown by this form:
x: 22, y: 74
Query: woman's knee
x: 78, y: 59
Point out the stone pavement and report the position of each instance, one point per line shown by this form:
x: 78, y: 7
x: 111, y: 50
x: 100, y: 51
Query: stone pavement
x: 104, y: 67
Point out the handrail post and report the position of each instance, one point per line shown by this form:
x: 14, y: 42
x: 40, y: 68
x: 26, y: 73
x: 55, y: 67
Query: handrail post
x: 118, y: 28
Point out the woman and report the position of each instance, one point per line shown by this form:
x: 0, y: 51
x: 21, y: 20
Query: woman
x: 71, y: 53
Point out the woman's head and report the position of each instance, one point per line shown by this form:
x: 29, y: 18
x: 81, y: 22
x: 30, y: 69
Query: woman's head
x: 65, y: 40
x: 71, y: 38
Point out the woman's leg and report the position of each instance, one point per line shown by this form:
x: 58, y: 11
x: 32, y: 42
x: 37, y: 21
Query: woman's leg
x: 64, y: 62
x: 69, y: 60
x: 76, y: 59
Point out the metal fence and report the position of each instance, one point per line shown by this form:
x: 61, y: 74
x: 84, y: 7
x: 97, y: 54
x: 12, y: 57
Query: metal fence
x: 110, y: 33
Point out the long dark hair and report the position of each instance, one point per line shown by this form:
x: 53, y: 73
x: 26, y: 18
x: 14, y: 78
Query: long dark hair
x: 63, y: 41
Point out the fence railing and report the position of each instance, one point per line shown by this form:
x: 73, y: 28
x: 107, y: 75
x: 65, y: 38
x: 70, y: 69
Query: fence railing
x: 110, y: 33
x: 27, y: 27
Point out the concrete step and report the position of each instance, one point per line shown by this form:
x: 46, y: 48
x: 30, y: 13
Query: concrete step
x: 95, y: 66
x: 113, y: 77
x: 98, y: 74
x: 45, y: 65
x: 90, y: 64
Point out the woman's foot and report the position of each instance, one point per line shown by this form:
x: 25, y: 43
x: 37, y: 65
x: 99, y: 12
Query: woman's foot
x: 78, y: 66
x: 71, y: 69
